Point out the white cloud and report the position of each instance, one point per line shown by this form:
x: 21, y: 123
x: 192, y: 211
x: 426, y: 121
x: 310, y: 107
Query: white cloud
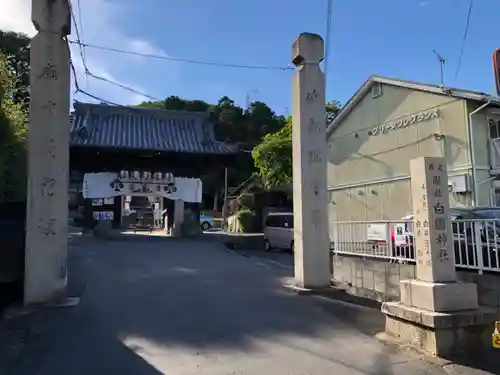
x: 99, y: 26
x: 15, y: 16
x: 144, y: 47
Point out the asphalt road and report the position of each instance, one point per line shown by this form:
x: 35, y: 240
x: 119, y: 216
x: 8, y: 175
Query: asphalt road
x: 164, y: 306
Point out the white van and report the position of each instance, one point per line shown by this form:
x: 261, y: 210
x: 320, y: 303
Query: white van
x: 278, y: 231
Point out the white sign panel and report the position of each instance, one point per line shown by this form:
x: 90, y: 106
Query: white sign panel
x: 376, y: 232
x: 100, y: 185
x: 400, y: 235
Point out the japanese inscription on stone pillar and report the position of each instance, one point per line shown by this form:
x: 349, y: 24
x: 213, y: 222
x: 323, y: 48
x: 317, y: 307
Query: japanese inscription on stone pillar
x: 309, y: 164
x: 432, y: 224
x: 48, y: 141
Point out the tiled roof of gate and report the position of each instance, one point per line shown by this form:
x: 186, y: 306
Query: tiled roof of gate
x: 105, y: 126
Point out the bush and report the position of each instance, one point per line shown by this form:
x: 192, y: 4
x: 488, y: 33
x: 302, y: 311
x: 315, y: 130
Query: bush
x: 246, y: 221
x: 246, y: 202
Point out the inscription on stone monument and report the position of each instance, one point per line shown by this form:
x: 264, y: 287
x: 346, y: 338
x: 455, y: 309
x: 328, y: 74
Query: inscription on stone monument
x: 314, y: 156
x: 48, y: 186
x: 314, y: 126
x: 433, y: 240
x: 46, y: 227
x: 311, y: 96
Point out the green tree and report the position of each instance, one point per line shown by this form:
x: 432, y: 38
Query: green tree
x: 15, y: 48
x: 13, y: 137
x: 332, y: 109
x: 273, y: 156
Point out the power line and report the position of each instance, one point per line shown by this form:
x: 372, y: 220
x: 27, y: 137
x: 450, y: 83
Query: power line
x: 464, y: 39
x: 327, y: 36
x: 128, y: 88
x: 182, y: 60
x: 87, y: 71
x: 77, y: 32
x: 79, y: 90
x: 79, y: 5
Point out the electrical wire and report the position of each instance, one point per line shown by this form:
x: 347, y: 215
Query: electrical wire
x: 77, y: 32
x: 128, y: 88
x: 464, y: 39
x: 87, y: 71
x: 181, y: 60
x: 79, y: 90
x: 327, y: 37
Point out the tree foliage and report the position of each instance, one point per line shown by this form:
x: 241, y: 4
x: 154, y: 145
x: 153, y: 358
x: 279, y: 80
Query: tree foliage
x: 15, y: 48
x: 243, y: 126
x: 13, y: 136
x: 273, y: 156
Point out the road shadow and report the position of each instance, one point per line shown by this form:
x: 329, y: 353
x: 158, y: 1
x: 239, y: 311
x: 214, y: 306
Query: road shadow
x: 163, y: 297
x: 39, y: 344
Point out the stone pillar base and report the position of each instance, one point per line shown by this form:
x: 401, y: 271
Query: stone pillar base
x: 440, y: 334
x: 440, y: 297
x: 176, y: 231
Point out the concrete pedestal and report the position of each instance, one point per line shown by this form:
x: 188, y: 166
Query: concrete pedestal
x: 439, y: 297
x: 439, y: 333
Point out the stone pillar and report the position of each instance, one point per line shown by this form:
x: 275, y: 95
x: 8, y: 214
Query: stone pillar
x: 48, y: 165
x: 436, y: 313
x: 311, y: 239
x: 178, y: 218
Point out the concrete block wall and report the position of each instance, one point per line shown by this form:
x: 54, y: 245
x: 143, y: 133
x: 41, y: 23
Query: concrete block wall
x: 377, y: 279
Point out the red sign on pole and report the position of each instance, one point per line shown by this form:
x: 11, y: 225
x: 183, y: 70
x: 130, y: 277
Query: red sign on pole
x: 496, y: 69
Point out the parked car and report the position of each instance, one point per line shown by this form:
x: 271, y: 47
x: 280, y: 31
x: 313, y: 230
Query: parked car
x: 206, y: 222
x: 465, y: 222
x: 278, y: 231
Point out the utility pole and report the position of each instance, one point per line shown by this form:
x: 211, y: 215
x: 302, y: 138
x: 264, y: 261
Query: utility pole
x: 248, y: 97
x: 48, y: 161
x: 224, y: 208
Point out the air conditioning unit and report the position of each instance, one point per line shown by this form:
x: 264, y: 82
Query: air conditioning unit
x: 459, y: 184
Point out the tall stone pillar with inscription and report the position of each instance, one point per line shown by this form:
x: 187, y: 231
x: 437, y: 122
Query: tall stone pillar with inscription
x: 436, y: 312
x: 47, y: 216
x: 311, y: 240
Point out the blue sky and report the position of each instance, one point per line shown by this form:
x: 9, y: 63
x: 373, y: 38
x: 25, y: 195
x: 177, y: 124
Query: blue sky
x: 388, y: 37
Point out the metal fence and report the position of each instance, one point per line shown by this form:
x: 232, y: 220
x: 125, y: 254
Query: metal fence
x: 476, y: 243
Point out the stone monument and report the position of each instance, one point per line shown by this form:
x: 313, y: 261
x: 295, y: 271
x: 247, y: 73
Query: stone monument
x: 48, y: 161
x: 311, y: 239
x: 437, y: 313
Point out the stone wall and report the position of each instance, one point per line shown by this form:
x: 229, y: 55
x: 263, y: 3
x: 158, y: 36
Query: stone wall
x: 377, y: 279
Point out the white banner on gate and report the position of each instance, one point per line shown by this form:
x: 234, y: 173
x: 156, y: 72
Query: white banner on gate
x: 100, y: 185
